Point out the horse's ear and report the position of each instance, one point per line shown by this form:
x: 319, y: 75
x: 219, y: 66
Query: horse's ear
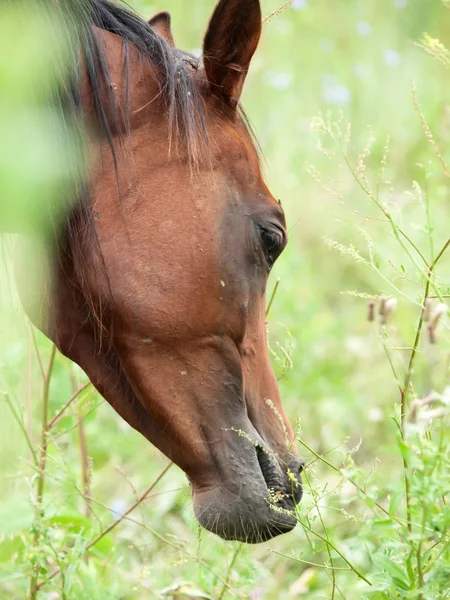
x: 161, y: 24
x: 230, y: 42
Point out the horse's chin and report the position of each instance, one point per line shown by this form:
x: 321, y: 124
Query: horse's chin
x: 233, y: 517
x: 253, y: 499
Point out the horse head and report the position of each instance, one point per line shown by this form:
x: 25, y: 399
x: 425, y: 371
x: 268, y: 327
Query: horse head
x: 162, y: 266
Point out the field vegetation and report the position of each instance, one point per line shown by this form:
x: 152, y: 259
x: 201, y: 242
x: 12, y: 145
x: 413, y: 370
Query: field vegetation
x: 351, y: 104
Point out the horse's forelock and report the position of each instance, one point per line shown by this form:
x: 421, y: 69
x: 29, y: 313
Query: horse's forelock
x: 184, y: 105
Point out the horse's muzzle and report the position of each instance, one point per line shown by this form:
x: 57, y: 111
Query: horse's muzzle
x: 254, y: 496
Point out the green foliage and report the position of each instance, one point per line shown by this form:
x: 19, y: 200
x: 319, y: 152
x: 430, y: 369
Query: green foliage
x: 36, y: 157
x: 436, y: 49
x: 369, y: 228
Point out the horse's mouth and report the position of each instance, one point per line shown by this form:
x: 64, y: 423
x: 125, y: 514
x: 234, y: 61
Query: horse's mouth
x: 284, y: 486
x: 256, y: 498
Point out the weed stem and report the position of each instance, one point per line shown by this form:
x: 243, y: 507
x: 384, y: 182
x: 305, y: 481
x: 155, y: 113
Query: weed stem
x: 113, y: 525
x: 67, y: 404
x: 272, y: 297
x: 42, y: 465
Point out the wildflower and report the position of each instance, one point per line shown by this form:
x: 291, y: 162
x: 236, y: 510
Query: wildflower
x: 423, y: 411
x: 392, y: 58
x: 432, y: 334
x: 439, y: 312
x: 387, y: 307
x: 363, y: 28
x: 390, y: 306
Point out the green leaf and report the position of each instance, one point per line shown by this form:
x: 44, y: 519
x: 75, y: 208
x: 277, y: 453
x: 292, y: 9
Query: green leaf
x: 10, y: 546
x: 409, y: 566
x: 403, y: 447
x: 183, y: 590
x: 397, y: 574
x: 395, y: 500
x: 73, y: 521
x: 382, y: 522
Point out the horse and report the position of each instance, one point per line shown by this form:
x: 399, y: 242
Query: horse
x: 159, y: 268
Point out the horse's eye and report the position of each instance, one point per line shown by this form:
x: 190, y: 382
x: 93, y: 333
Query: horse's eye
x: 273, y: 243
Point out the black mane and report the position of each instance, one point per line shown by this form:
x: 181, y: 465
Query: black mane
x: 177, y: 91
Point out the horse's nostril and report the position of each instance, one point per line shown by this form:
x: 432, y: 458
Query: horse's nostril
x: 269, y: 467
x: 301, y: 467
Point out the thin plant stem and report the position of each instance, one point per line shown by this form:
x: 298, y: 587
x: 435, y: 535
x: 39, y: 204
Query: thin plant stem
x: 427, y: 130
x: 308, y: 562
x: 390, y: 284
x: 272, y: 297
x: 42, y: 463
x: 233, y: 560
x: 428, y: 216
x: 38, y: 354
x: 311, y: 545
x: 439, y: 256
x: 66, y: 431
x: 397, y: 231
x: 328, y: 541
x: 420, y: 578
x: 149, y: 497
x: 85, y: 471
x: 337, y: 470
x: 131, y: 508
x: 413, y: 245
x: 389, y: 357
x: 358, y: 487
x: 173, y: 545
x: 408, y: 377
x: 22, y: 428
x: 437, y: 557
x: 28, y: 383
x: 278, y: 11
x: 418, y: 333
x: 113, y: 525
x: 67, y: 404
x: 44, y: 426
x: 330, y: 556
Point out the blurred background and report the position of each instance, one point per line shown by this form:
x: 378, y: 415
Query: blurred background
x: 330, y: 95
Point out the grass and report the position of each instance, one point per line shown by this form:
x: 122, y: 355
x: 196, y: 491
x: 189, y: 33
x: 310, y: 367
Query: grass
x: 353, y: 119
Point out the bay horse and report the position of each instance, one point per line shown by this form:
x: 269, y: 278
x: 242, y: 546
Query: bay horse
x: 157, y: 288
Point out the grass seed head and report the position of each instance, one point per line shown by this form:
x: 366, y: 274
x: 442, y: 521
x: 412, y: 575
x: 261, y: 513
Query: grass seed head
x: 439, y: 312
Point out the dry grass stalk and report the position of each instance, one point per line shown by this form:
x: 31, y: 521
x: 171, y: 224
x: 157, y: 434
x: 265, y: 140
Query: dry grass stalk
x: 278, y: 11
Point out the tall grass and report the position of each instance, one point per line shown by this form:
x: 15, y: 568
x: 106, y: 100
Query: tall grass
x: 403, y: 536
x: 359, y: 335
